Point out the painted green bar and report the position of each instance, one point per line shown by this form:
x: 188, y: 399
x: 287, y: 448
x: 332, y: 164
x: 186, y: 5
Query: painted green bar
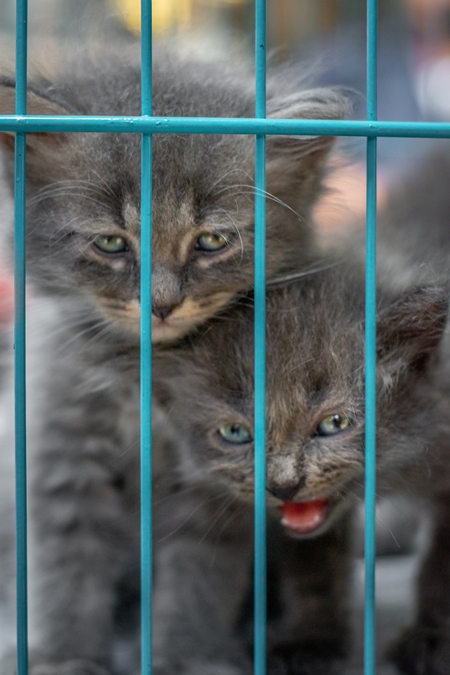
x: 370, y: 430
x: 146, y: 348
x: 225, y: 125
x: 260, y: 550
x: 20, y: 404
x: 20, y: 342
x: 146, y: 404
x: 260, y: 127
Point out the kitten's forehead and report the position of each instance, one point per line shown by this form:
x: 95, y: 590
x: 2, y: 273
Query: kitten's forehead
x: 314, y: 355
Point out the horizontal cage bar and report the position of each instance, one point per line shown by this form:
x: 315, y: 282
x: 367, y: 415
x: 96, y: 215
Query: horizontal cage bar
x: 223, y: 125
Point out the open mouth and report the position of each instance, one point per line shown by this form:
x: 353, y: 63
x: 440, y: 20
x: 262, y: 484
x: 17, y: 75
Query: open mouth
x: 302, y: 518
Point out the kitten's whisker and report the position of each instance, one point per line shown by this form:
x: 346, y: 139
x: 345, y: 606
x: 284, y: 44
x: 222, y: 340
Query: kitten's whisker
x: 233, y: 187
x: 225, y: 175
x: 107, y: 187
x: 65, y: 327
x: 76, y: 183
x: 279, y: 201
x: 92, y: 327
x: 297, y: 366
x: 83, y: 197
x: 346, y: 490
x: 188, y: 489
x: 217, y: 516
x: 380, y: 521
x: 188, y: 517
x: 251, y: 189
x: 287, y: 278
x: 233, y: 515
x: 236, y: 228
x: 61, y: 188
x: 64, y: 229
x: 230, y: 519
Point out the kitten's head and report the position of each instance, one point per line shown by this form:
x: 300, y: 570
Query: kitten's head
x: 83, y: 190
x: 315, y: 395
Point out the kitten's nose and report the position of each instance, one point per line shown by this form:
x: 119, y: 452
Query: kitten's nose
x: 285, y: 491
x: 163, y: 311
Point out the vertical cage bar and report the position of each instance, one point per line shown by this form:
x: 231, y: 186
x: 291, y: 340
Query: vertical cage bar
x: 146, y: 346
x: 20, y: 341
x: 370, y: 439
x: 260, y: 564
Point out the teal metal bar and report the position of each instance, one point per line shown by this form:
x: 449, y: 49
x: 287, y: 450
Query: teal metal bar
x: 20, y: 341
x: 224, y: 125
x: 370, y: 432
x: 146, y: 347
x: 260, y: 562
x: 260, y: 126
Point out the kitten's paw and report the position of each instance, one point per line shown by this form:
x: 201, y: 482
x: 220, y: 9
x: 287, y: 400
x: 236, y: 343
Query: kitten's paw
x: 303, y: 659
x: 39, y: 666
x: 422, y: 651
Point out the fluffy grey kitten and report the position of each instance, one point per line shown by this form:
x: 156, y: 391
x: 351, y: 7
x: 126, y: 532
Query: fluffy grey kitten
x: 83, y: 207
x: 83, y: 225
x: 315, y: 474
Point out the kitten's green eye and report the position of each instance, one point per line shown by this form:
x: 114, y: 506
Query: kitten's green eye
x: 333, y: 424
x: 235, y: 433
x: 111, y: 243
x: 210, y: 242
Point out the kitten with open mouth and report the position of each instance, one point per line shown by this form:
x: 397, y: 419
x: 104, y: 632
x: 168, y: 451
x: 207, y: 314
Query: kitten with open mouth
x: 315, y: 420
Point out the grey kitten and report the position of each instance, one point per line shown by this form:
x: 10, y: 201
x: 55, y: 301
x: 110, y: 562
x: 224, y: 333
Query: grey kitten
x: 315, y: 473
x: 83, y: 206
x: 83, y: 194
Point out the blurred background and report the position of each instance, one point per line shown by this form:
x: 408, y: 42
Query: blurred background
x: 289, y: 21
x: 324, y: 38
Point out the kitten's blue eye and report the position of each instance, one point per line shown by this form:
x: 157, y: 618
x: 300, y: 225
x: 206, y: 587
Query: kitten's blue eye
x: 111, y: 243
x: 333, y: 424
x: 210, y: 242
x: 235, y: 433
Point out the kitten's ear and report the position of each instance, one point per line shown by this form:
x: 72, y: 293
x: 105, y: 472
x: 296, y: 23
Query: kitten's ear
x: 298, y: 160
x: 409, y: 332
x: 40, y: 146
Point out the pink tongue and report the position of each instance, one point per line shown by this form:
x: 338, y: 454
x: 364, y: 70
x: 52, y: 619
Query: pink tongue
x: 304, y: 517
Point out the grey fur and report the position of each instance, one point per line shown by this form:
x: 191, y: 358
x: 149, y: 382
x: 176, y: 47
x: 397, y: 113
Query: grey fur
x: 83, y: 342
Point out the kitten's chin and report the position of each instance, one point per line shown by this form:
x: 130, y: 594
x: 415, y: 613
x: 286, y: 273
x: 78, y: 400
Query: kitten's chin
x: 170, y: 331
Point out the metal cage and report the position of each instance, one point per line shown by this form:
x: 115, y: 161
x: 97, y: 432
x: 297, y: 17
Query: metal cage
x: 146, y: 125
